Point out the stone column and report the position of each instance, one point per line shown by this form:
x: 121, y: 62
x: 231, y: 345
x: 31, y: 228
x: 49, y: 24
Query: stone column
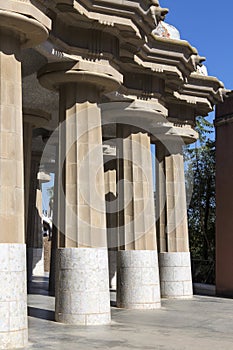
x: 35, y: 262
x: 13, y: 293
x: 137, y: 277
x: 54, y: 243
x: 110, y: 174
x: 31, y: 119
x: 27, y: 148
x: 82, y: 288
x: 174, y: 256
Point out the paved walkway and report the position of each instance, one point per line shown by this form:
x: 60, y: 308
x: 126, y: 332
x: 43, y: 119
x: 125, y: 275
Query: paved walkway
x: 199, y: 324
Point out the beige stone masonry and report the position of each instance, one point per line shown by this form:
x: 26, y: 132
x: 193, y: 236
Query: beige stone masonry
x: 171, y: 198
x: 136, y: 189
x: 11, y: 142
x: 85, y: 221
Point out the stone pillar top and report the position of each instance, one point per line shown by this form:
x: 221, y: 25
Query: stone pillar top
x: 134, y: 111
x: 24, y: 20
x: 99, y: 74
x: 151, y: 116
x: 36, y: 118
x: 172, y: 133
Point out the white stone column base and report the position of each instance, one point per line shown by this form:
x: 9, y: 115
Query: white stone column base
x: 82, y: 286
x: 138, y: 279
x: 175, y: 275
x: 13, y: 296
x: 35, y: 263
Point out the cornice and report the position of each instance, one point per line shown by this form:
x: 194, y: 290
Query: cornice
x: 127, y: 26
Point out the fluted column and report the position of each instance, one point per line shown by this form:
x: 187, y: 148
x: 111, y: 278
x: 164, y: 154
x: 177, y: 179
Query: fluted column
x: 137, y: 279
x: 174, y: 256
x: 27, y: 147
x: 34, y: 241
x: 135, y: 176
x: 31, y: 119
x: 110, y: 174
x: 54, y: 243
x: 82, y: 288
x: 15, y: 30
x: 84, y: 219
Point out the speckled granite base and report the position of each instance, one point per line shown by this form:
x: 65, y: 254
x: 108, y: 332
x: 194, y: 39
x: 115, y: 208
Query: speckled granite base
x: 138, y: 279
x: 13, y: 296
x: 175, y: 275
x: 82, y: 286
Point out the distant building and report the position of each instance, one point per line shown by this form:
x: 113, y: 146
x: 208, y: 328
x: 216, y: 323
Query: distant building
x: 224, y: 198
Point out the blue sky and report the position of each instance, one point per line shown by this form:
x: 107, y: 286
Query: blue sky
x: 207, y: 25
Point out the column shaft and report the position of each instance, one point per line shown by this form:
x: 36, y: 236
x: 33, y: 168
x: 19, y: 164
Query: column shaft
x: 135, y: 185
x: 54, y: 243
x: 174, y: 256
x: 177, y: 227
x: 35, y: 254
x: 110, y: 175
x: 137, y: 274
x: 13, y: 297
x: 27, y: 148
x: 83, y: 174
x: 161, y: 198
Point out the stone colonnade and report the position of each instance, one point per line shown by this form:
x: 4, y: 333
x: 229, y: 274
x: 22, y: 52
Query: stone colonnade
x: 82, y: 273
x: 82, y: 286
x: 139, y: 285
x: 82, y: 280
x: 117, y: 84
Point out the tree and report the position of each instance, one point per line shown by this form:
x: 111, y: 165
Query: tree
x: 200, y: 161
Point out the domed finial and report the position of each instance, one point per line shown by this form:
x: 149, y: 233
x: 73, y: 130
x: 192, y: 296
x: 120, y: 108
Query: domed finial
x: 162, y: 29
x: 158, y: 13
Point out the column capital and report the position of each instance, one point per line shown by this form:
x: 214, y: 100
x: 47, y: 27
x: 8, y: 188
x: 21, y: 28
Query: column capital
x: 135, y: 112
x: 22, y: 19
x: 173, y: 133
x: 36, y: 118
x: 100, y: 75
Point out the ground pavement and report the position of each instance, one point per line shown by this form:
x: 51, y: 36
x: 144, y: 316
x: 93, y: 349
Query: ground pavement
x: 202, y: 323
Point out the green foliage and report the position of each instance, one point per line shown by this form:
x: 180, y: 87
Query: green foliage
x: 200, y: 161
